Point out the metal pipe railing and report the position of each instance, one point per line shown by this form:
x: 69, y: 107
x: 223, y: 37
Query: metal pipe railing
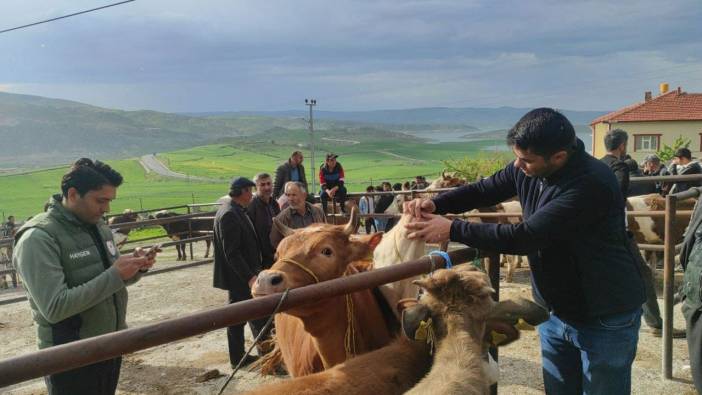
x: 84, y: 352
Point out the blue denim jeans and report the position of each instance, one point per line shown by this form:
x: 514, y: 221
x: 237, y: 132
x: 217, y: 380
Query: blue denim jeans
x: 591, y: 357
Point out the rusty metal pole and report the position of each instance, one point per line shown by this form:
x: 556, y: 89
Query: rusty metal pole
x: 668, y: 280
x: 84, y: 352
x: 494, y: 273
x: 190, y: 236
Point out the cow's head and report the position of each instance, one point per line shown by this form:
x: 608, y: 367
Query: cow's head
x: 318, y: 252
x: 447, y: 180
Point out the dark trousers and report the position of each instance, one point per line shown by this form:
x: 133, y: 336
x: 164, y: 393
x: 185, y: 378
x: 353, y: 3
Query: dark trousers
x: 97, y: 379
x: 340, y: 197
x: 694, y: 345
x: 370, y: 223
x: 651, y: 311
x: 235, y: 334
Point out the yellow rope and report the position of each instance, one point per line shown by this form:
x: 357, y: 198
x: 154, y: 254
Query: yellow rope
x: 350, y: 336
x: 301, y: 266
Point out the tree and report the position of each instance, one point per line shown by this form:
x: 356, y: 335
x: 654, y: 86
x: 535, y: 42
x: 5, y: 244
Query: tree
x: 667, y: 152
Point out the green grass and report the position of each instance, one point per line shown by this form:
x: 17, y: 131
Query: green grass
x: 25, y: 195
x: 379, y: 156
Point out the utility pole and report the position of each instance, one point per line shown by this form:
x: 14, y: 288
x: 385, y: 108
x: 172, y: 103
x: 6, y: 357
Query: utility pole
x: 311, y: 103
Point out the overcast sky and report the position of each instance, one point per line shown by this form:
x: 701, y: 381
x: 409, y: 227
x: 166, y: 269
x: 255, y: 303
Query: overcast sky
x: 220, y: 55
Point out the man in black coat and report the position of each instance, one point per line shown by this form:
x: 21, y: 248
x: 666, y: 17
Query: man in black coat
x: 261, y: 210
x: 291, y: 170
x: 237, y: 260
x: 615, y: 142
x: 574, y: 236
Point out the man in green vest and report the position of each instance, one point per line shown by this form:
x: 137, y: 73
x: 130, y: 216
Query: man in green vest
x: 74, y: 275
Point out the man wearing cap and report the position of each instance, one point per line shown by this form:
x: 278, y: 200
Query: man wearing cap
x: 684, y: 165
x: 237, y: 260
x: 331, y: 179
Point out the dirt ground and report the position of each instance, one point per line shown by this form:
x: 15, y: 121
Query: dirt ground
x: 175, y: 368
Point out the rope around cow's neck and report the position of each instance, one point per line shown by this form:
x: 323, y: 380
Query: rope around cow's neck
x: 350, y: 335
x: 261, y: 333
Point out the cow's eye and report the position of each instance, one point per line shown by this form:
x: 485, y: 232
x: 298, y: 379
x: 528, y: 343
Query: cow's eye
x: 327, y: 251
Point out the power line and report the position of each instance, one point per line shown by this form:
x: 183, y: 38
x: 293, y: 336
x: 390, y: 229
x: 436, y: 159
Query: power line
x: 66, y: 16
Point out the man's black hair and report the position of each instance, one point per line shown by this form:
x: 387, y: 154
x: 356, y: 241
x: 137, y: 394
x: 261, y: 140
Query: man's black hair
x: 614, y: 138
x: 86, y: 175
x: 543, y: 131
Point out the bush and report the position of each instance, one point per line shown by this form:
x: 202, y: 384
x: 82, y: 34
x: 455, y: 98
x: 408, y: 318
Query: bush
x: 667, y: 152
x: 474, y: 168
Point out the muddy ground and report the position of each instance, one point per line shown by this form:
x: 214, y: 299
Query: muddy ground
x: 175, y: 368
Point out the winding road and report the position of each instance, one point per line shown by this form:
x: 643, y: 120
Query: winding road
x: 151, y: 164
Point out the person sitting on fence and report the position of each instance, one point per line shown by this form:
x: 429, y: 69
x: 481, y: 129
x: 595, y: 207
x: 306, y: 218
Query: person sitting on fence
x: 331, y: 180
x: 366, y: 205
x: 299, y: 213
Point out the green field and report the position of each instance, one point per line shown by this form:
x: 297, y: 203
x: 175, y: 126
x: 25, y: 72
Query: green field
x: 377, y: 157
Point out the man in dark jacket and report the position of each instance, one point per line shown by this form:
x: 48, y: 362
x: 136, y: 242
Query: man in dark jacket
x: 683, y: 165
x: 691, y: 261
x: 615, y: 142
x: 261, y: 211
x: 291, y: 170
x: 237, y: 260
x: 573, y: 233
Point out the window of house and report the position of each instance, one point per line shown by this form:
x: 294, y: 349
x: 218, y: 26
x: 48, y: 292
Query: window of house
x: 647, y: 142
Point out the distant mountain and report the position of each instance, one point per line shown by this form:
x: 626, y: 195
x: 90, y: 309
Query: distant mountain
x: 480, y: 118
x: 37, y: 131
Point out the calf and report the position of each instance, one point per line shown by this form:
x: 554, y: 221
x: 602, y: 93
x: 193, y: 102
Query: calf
x: 121, y: 234
x: 185, y: 228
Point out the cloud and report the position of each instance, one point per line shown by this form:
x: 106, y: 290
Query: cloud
x: 199, y: 56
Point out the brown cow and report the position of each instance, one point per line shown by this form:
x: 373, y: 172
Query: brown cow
x: 339, y: 327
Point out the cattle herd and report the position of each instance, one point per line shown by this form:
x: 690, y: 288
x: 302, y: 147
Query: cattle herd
x: 419, y: 335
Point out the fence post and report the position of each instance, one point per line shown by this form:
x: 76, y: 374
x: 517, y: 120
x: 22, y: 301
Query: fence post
x: 668, y: 279
x: 190, y: 235
x: 494, y: 273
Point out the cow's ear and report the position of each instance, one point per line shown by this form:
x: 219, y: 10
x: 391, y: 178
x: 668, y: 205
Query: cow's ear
x: 374, y: 240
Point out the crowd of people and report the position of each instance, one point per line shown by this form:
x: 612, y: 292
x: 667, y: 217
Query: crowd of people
x: 585, y: 269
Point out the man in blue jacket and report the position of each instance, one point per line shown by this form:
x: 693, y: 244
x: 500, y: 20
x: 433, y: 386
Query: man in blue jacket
x: 574, y: 235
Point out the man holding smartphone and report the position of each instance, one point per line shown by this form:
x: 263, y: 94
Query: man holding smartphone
x: 75, y: 278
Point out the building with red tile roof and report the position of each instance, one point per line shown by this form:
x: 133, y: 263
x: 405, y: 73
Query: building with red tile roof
x: 654, y: 122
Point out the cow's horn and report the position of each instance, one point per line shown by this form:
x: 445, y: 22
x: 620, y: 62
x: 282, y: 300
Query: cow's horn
x: 354, y: 221
x: 282, y: 228
x: 443, y: 174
